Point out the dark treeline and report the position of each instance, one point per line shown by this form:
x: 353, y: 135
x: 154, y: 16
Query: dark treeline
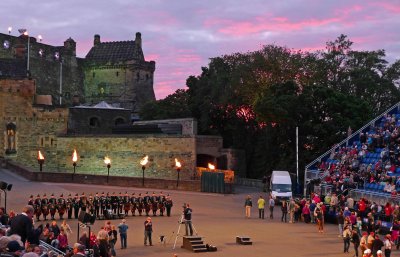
x: 255, y: 100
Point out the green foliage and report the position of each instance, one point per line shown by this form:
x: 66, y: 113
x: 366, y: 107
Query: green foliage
x: 256, y: 100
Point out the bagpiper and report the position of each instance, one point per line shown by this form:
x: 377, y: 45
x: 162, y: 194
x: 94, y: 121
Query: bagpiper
x: 69, y: 206
x: 52, y: 206
x: 83, y: 202
x: 147, y: 203
x: 96, y: 203
x: 168, y: 205
x: 120, y: 203
x: 103, y: 203
x: 108, y: 202
x: 61, y: 206
x: 114, y: 203
x: 76, y: 205
x: 38, y: 207
x: 161, y: 203
x: 127, y: 203
x: 134, y: 204
x: 90, y: 205
x: 140, y: 204
x: 154, y: 204
x: 45, y: 207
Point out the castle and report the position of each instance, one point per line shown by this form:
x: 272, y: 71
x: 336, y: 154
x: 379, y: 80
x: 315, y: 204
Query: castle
x: 115, y: 72
x: 56, y: 102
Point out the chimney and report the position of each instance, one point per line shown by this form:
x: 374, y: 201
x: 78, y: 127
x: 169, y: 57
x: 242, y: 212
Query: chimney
x: 138, y: 39
x: 96, y: 40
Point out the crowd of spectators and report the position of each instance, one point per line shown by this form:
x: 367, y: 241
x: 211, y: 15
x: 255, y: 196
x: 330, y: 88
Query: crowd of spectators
x: 373, y: 159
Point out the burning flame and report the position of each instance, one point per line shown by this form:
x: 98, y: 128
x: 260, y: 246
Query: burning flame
x: 75, y: 156
x: 211, y: 167
x: 144, y: 160
x: 107, y: 160
x: 40, y: 156
x: 177, y: 163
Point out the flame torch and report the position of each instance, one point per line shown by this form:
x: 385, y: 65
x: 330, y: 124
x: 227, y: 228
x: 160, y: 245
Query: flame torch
x: 74, y: 160
x: 178, y: 166
x: 143, y: 162
x: 107, y: 161
x: 40, y: 160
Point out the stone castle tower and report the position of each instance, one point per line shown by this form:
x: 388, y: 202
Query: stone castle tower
x: 115, y: 72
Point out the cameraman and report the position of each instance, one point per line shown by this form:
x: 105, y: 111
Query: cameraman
x: 187, y: 214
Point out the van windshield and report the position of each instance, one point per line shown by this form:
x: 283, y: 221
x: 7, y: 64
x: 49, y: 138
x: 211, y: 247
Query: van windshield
x: 282, y: 187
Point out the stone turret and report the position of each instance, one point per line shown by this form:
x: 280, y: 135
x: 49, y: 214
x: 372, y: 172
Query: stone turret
x: 96, y: 40
x: 138, y: 39
x: 70, y: 46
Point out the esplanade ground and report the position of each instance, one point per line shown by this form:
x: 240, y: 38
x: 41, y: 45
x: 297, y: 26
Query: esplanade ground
x: 218, y: 218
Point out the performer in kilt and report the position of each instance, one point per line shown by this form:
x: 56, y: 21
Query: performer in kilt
x: 96, y: 203
x: 90, y: 205
x: 108, y: 203
x: 76, y: 205
x: 114, y: 203
x: 45, y: 207
x: 52, y: 206
x: 168, y: 205
x: 140, y: 204
x: 134, y: 204
x: 61, y: 206
x: 127, y: 204
x: 161, y: 203
x: 38, y: 207
x: 83, y: 202
x: 154, y: 204
x: 69, y: 206
x: 147, y: 203
x: 120, y: 203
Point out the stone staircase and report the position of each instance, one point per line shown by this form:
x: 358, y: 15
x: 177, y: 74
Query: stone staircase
x: 194, y: 243
x: 243, y: 240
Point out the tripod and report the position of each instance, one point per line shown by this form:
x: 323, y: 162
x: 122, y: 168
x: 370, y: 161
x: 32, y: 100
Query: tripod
x: 181, y: 221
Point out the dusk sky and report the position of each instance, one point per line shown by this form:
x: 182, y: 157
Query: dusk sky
x: 181, y: 35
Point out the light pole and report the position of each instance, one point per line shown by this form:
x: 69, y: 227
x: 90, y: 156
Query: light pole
x: 178, y: 166
x: 143, y: 162
x: 107, y: 161
x: 40, y: 160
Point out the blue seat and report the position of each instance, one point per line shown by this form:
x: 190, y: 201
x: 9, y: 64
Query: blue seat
x: 381, y: 187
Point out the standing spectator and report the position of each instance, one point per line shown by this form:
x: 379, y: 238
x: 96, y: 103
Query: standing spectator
x: 356, y: 242
x: 66, y: 227
x: 54, y: 228
x: 346, y: 239
x: 248, y: 204
x: 319, y: 216
x: 84, y: 239
x: 312, y: 208
x: 123, y: 229
x: 261, y: 206
x: 22, y: 224
x: 363, y: 242
x: 62, y: 241
x: 112, y: 239
x: 284, y: 210
x: 340, y: 221
x: 292, y: 209
x: 148, y: 230
x: 388, y: 245
x: 271, y: 206
x: 104, y: 246
x: 187, y: 214
x: 376, y: 245
x: 306, y: 213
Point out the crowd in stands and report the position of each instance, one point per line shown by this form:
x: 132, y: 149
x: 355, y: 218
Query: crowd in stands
x: 372, y: 162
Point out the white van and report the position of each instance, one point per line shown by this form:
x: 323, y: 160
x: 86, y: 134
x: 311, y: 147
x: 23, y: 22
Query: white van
x: 281, y: 185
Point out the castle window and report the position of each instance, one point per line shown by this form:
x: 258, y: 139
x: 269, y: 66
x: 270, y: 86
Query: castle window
x: 94, y: 122
x: 11, y: 141
x: 119, y: 121
x: 117, y: 73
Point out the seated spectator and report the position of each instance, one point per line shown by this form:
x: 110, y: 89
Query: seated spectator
x: 14, y: 249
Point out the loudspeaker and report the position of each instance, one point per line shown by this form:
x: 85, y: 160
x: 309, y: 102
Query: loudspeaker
x: 85, y: 217
x: 9, y: 186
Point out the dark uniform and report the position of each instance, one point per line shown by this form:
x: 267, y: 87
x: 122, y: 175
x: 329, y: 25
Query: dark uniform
x: 147, y: 203
x: 161, y: 203
x: 140, y: 204
x: 69, y: 206
x: 114, y: 203
x: 120, y: 203
x: 52, y: 206
x: 134, y: 204
x: 44, y: 206
x: 96, y: 204
x: 83, y: 202
x: 76, y: 205
x: 154, y: 204
x: 127, y: 203
x: 61, y: 206
x: 38, y: 207
x: 31, y: 201
x: 168, y: 205
x: 90, y: 205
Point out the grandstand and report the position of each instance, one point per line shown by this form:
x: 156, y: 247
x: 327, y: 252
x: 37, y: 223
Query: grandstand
x: 365, y: 164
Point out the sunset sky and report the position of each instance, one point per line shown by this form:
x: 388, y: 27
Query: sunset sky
x: 181, y: 35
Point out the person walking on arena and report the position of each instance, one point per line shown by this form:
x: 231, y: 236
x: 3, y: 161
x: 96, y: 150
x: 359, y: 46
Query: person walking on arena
x: 248, y: 204
x: 148, y: 230
x: 271, y: 203
x: 123, y: 229
x: 284, y: 209
x: 261, y: 207
x: 187, y: 215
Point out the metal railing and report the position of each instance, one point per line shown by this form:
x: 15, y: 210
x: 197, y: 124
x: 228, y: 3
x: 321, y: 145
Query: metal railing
x: 49, y: 248
x: 345, y: 141
x: 377, y: 197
